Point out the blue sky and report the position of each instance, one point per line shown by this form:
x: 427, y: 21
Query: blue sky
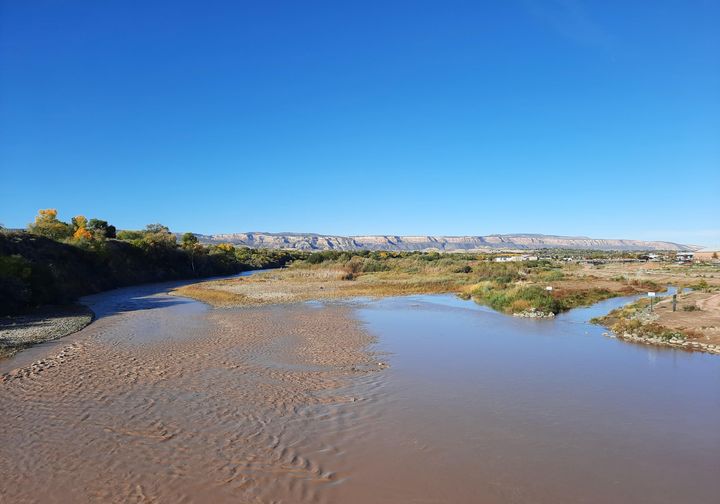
x: 560, y: 117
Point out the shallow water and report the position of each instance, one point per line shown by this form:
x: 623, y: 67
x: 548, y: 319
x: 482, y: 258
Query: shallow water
x: 162, y: 399
x: 481, y: 407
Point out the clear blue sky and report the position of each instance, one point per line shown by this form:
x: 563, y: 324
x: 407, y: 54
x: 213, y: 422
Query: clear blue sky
x: 568, y: 117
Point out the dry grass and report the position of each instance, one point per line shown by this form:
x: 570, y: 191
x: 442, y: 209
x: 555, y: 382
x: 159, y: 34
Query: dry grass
x: 508, y: 287
x: 213, y: 296
x: 298, y: 285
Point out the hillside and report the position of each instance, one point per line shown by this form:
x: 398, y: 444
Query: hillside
x: 310, y: 241
x: 36, y: 270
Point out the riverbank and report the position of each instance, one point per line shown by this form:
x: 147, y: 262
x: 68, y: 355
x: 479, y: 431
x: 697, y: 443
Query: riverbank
x: 40, y: 325
x: 533, y: 289
x: 694, y: 325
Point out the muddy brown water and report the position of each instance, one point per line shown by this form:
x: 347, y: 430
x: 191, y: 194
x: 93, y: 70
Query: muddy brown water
x: 162, y: 399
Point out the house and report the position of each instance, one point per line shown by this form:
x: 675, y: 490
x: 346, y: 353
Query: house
x: 515, y: 258
x: 684, y: 257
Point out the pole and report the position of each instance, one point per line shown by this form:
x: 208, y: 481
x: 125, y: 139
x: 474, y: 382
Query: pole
x: 674, y: 302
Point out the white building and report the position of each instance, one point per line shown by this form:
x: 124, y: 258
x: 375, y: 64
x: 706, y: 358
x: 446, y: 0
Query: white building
x: 684, y: 257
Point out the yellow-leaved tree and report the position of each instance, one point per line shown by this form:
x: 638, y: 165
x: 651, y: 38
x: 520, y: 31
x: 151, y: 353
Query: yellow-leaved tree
x: 82, y: 234
x: 47, y: 224
x: 79, y: 223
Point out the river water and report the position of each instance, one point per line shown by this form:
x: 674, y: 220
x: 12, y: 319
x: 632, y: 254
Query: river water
x: 421, y: 399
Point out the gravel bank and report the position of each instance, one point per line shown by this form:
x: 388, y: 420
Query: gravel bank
x: 45, y: 324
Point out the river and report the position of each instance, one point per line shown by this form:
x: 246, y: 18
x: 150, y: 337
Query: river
x: 420, y: 399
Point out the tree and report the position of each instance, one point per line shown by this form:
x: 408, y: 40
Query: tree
x: 158, y: 237
x: 47, y: 224
x: 130, y: 235
x: 79, y: 221
x: 79, y: 225
x: 190, y: 243
x: 156, y: 228
x: 101, y: 229
x: 82, y: 233
x: 189, y: 240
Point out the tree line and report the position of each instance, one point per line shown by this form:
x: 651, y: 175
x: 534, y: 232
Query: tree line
x: 56, y: 262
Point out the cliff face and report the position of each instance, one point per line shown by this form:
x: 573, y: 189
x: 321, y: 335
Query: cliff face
x: 303, y: 241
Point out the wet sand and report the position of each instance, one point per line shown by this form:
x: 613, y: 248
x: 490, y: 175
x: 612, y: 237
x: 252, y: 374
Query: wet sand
x: 163, y: 399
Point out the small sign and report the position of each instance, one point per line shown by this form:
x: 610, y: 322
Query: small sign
x: 548, y: 288
x: 651, y: 294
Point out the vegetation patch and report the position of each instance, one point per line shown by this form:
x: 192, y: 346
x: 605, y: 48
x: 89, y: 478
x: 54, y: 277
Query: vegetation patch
x: 513, y: 288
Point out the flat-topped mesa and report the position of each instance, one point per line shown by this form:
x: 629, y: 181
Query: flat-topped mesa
x: 311, y: 241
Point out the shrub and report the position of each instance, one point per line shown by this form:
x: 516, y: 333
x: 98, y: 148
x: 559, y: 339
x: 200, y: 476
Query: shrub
x: 551, y: 276
x: 373, y: 266
x: 702, y: 285
x: 520, y: 305
x: 514, y: 299
x: 315, y: 258
x: 129, y: 235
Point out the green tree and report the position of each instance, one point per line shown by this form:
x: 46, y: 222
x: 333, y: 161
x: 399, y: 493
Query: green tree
x: 130, y: 235
x: 189, y: 240
x: 158, y: 238
x: 190, y: 244
x: 156, y: 228
x: 101, y: 229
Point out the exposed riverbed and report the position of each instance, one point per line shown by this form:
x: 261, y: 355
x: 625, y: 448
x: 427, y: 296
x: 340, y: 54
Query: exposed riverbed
x: 165, y: 400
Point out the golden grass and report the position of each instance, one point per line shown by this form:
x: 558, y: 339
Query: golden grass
x: 298, y: 285
x: 210, y: 295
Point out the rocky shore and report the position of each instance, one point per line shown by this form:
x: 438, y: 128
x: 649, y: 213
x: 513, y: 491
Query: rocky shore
x: 668, y: 342
x: 49, y: 323
x: 534, y: 313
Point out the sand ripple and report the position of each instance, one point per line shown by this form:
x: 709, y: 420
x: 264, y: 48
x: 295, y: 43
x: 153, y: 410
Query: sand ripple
x: 224, y: 406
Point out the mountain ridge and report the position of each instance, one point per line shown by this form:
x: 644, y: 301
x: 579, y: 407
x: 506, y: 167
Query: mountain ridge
x: 517, y: 241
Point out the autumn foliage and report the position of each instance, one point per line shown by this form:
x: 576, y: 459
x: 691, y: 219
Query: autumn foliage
x: 47, y: 224
x: 82, y: 234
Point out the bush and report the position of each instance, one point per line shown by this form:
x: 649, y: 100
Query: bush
x: 464, y: 269
x: 702, y: 285
x: 128, y: 235
x: 516, y: 299
x: 551, y: 276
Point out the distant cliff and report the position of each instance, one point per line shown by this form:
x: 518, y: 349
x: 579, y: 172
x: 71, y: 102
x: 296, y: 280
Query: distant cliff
x: 309, y: 241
